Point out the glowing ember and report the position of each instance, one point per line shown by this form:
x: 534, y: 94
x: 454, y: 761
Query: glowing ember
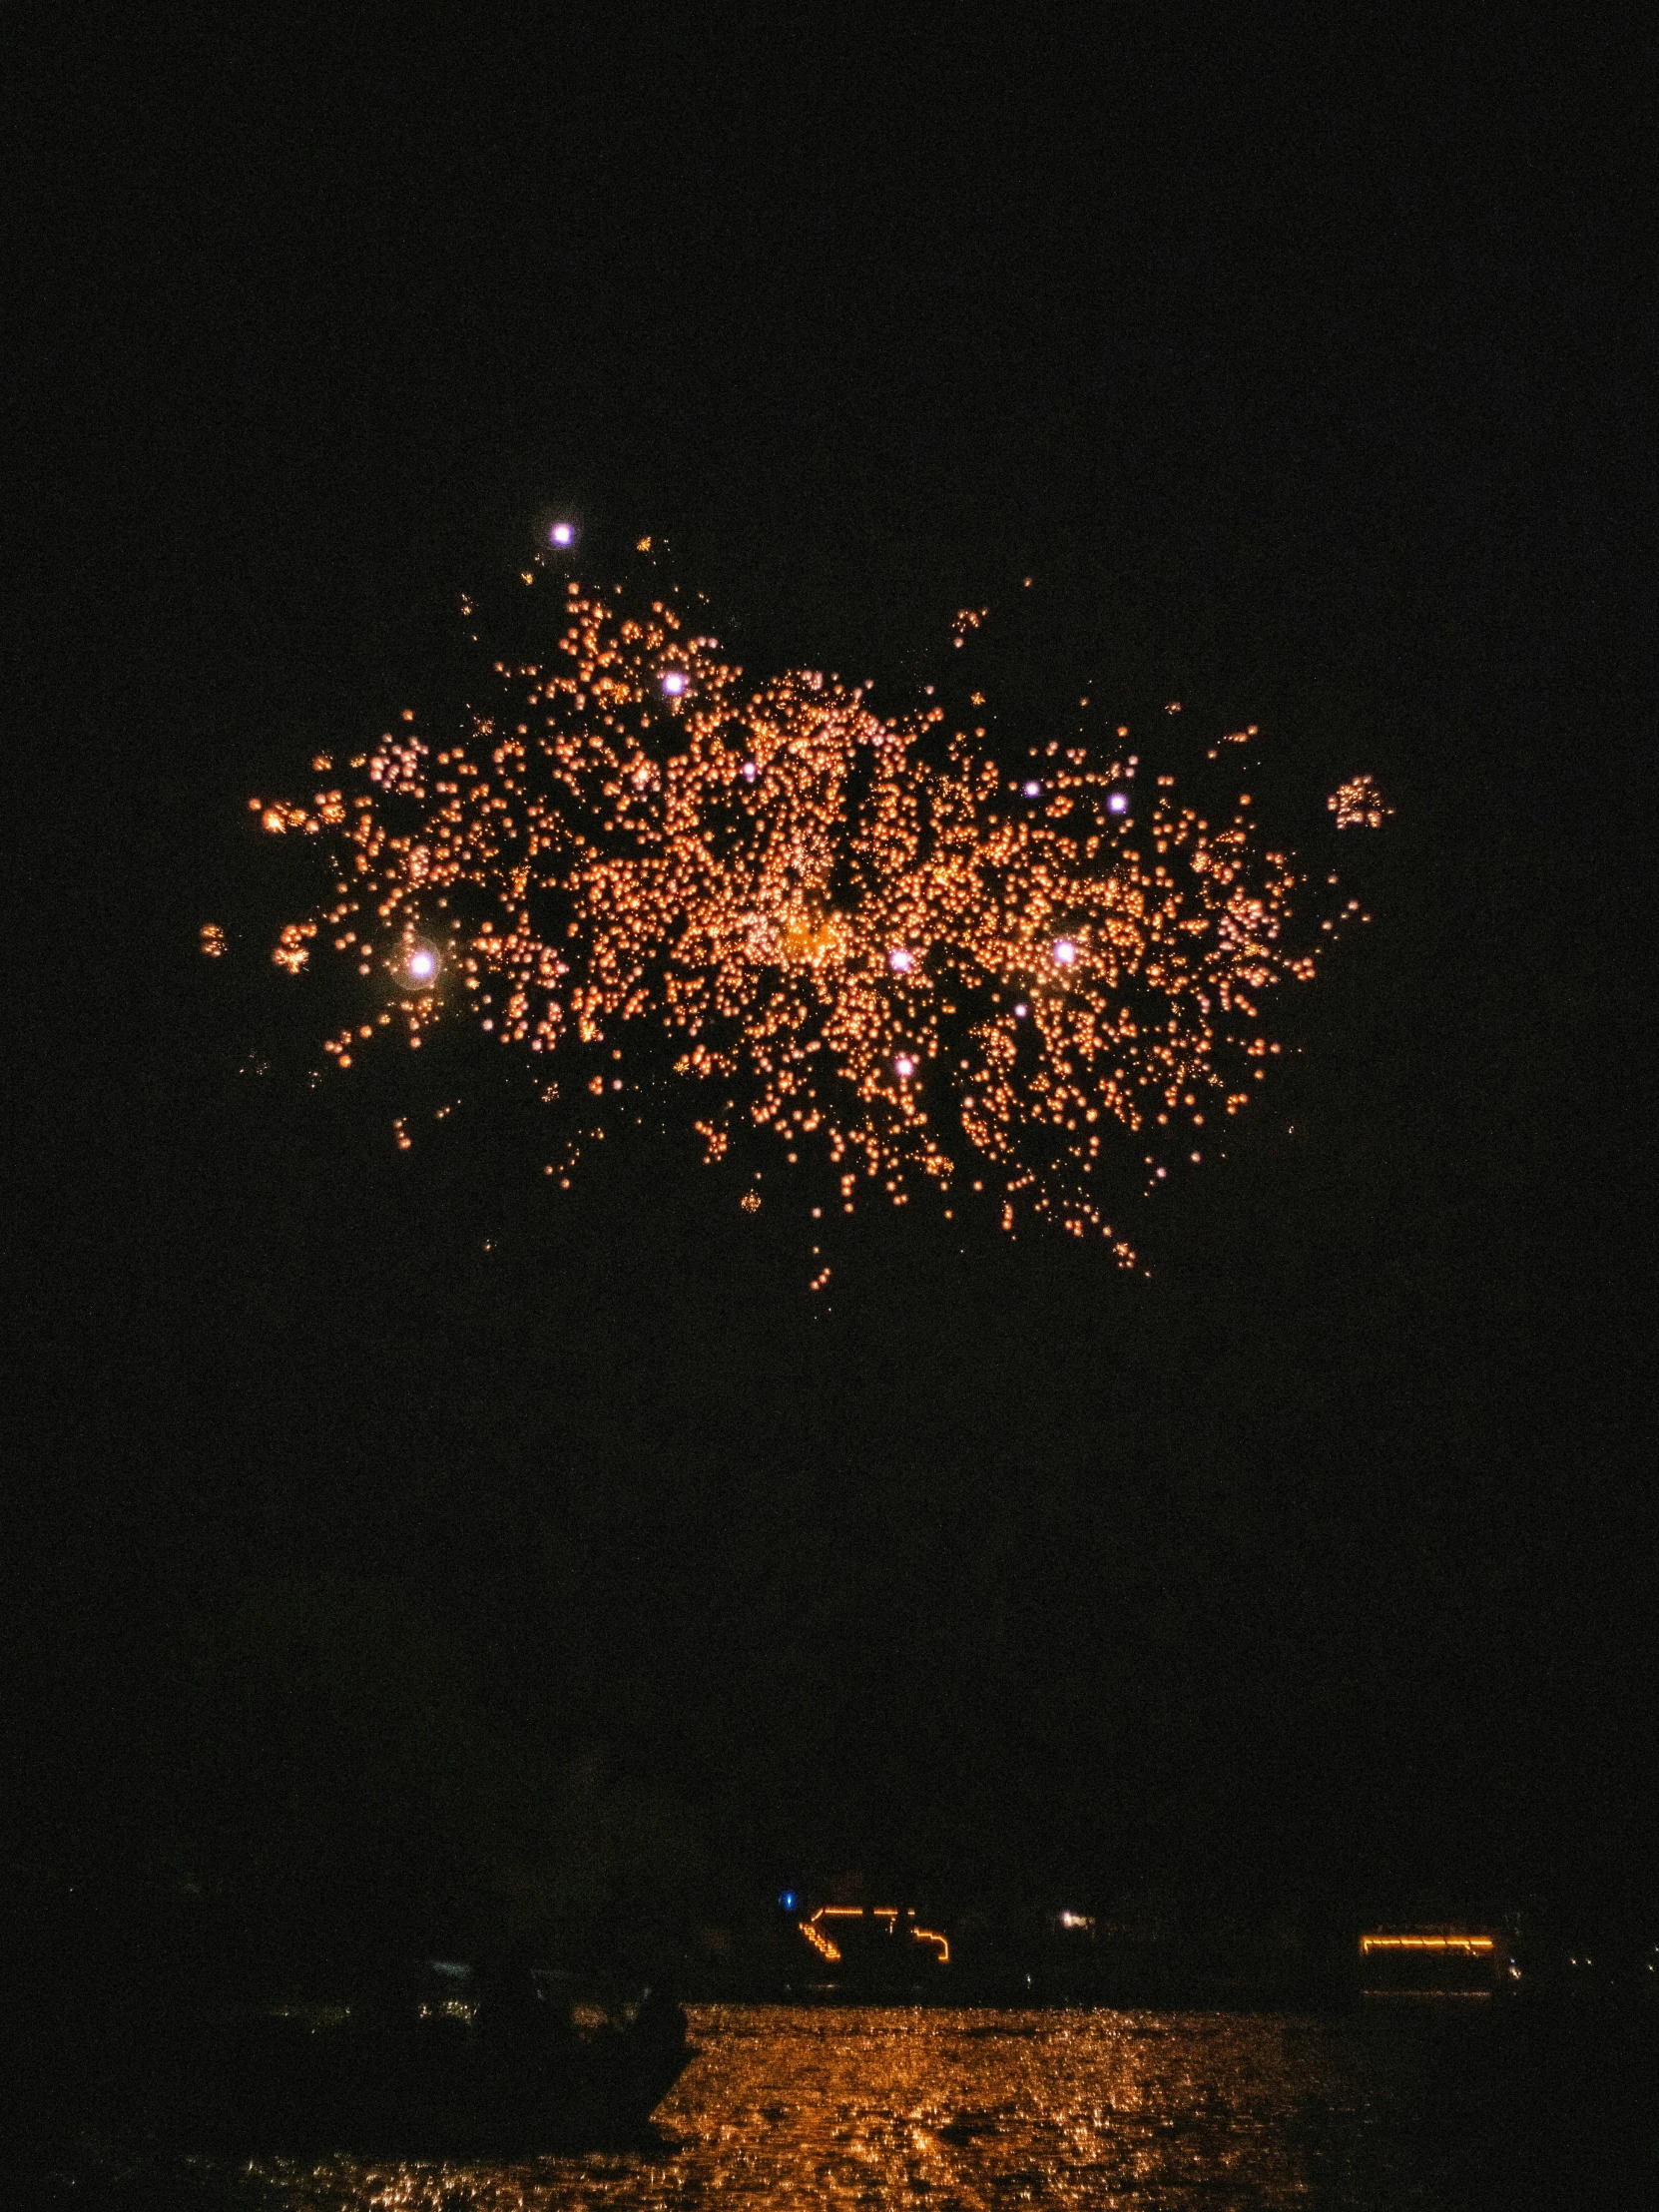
x: 1359, y: 805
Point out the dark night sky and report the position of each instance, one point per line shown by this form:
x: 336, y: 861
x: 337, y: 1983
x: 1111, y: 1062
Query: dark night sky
x: 1308, y: 365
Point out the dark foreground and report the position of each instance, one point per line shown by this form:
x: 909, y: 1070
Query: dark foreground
x: 205, y: 2092
x: 1136, y: 2110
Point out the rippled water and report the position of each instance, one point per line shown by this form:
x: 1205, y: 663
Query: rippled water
x: 1149, y: 2112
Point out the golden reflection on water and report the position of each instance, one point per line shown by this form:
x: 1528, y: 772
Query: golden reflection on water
x: 880, y: 2108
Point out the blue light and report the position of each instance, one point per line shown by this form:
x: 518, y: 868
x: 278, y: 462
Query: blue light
x: 787, y: 1901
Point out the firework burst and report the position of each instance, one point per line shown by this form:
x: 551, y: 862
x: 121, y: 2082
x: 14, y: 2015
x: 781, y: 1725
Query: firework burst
x: 858, y: 936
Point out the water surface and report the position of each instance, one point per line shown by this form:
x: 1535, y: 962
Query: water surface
x: 1143, y: 2111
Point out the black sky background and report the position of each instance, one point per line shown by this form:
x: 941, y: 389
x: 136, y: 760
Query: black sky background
x: 1307, y: 366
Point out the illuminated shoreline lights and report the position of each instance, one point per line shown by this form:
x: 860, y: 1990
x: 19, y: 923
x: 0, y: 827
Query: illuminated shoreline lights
x: 851, y: 931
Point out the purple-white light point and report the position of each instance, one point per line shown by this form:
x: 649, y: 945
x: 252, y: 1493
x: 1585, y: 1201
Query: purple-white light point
x: 1064, y: 952
x: 561, y: 534
x: 900, y: 960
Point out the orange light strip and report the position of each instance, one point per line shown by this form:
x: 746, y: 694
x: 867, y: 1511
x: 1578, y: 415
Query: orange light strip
x: 889, y: 1913
x: 1472, y: 1946
x: 1438, y: 1996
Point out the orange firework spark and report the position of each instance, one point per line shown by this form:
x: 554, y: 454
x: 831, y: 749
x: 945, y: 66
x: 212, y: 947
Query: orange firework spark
x: 1359, y: 805
x: 851, y: 931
